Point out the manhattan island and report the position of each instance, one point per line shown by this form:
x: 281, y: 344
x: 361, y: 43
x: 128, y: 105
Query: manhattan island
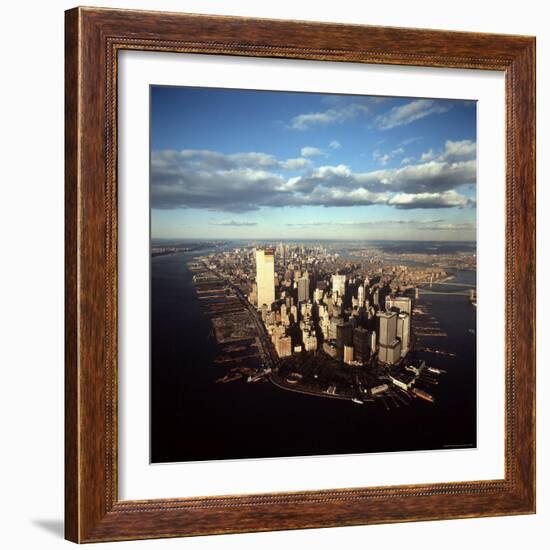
x: 310, y: 320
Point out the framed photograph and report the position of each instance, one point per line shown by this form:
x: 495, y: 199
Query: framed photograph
x: 300, y: 275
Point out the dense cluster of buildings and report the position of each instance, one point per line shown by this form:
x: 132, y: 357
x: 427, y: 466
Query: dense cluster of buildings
x: 349, y: 317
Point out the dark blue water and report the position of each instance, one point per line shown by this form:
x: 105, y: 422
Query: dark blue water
x: 193, y: 418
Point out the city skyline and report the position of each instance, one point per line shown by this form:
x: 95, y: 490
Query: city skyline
x: 239, y: 164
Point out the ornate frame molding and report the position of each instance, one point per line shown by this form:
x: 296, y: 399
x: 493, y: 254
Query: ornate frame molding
x: 93, y: 38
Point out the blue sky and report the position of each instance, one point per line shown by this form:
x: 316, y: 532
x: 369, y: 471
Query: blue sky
x: 258, y: 164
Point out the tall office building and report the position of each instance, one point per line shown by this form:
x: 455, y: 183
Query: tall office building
x: 281, y: 251
x: 388, y: 327
x: 390, y: 354
x: 294, y: 313
x: 303, y: 289
x: 284, y: 316
x: 306, y: 310
x: 318, y: 295
x: 265, y: 277
x: 310, y: 342
x: 375, y: 297
x: 361, y: 343
x: 389, y: 347
x: 373, y: 345
x: 401, y: 303
x: 283, y: 346
x: 404, y: 332
x: 324, y: 323
x: 344, y: 337
x: 348, y: 355
x: 339, y: 285
x: 335, y: 322
x: 361, y: 296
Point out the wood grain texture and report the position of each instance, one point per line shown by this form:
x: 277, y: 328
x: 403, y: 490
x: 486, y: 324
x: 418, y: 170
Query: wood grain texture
x: 71, y: 269
x: 93, y: 38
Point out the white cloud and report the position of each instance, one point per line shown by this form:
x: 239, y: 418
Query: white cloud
x: 407, y: 160
x: 455, y: 151
x: 449, y: 227
x: 446, y: 199
x: 427, y: 156
x: 208, y: 179
x: 334, y: 115
x: 208, y: 160
x: 248, y: 181
x: 420, y: 178
x: 335, y: 196
x: 384, y: 158
x: 334, y: 144
x: 459, y: 150
x: 410, y: 140
x: 311, y: 151
x: 423, y: 224
x: 233, y: 223
x: 296, y: 164
x: 378, y: 156
x: 409, y: 112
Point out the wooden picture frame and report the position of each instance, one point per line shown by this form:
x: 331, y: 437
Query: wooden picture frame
x: 93, y: 511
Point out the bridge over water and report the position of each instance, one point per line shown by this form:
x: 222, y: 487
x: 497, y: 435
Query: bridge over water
x: 465, y: 288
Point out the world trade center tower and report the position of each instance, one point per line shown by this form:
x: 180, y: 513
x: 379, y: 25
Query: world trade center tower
x: 265, y: 277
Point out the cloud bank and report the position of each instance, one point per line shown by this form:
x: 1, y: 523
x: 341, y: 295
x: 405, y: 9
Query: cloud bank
x: 409, y: 112
x: 233, y: 223
x: 428, y: 224
x: 396, y: 116
x: 248, y: 181
x: 335, y: 115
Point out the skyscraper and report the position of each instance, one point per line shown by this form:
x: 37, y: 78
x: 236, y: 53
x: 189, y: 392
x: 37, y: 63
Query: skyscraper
x: 404, y: 332
x: 339, y: 285
x: 303, y: 289
x: 348, y: 355
x: 318, y: 295
x: 335, y: 322
x: 283, y: 346
x: 344, y: 337
x: 390, y: 354
x: 281, y: 251
x: 389, y: 348
x: 294, y: 313
x: 388, y: 327
x: 361, y: 296
x: 265, y: 277
x: 401, y: 303
x: 373, y: 345
x: 310, y: 342
x: 375, y: 297
x: 361, y: 343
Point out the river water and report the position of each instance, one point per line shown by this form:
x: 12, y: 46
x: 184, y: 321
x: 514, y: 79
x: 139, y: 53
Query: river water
x: 192, y: 418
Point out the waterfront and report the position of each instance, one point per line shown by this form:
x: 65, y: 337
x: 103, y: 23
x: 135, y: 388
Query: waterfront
x: 195, y: 419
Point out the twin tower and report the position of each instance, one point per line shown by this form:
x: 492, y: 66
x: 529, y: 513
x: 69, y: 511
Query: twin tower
x: 265, y: 276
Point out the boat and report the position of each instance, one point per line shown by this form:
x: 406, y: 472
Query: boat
x: 258, y: 376
x: 229, y: 378
x: 423, y: 395
x: 435, y: 371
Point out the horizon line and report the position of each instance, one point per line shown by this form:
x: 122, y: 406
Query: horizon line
x: 228, y: 239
